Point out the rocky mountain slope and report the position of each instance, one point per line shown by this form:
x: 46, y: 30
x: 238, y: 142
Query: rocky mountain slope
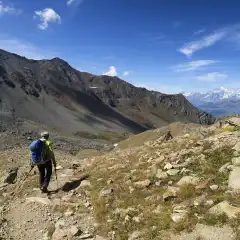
x: 185, y: 188
x: 53, y: 93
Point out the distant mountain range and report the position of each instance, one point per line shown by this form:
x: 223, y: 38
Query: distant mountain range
x: 219, y: 102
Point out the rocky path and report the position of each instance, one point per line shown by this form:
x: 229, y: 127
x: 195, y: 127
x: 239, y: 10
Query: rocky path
x: 65, y: 213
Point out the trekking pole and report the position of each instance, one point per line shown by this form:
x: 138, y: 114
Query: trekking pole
x: 56, y: 178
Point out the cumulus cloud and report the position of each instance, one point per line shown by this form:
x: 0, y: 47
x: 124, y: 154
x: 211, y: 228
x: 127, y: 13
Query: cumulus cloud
x: 194, y: 65
x: 211, y: 77
x: 112, y: 71
x: 5, y: 9
x: 47, y: 15
x: 189, y: 48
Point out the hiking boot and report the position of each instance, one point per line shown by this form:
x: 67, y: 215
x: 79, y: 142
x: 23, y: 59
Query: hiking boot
x: 44, y: 189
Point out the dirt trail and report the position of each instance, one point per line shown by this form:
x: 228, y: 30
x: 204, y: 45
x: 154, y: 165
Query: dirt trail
x: 64, y: 213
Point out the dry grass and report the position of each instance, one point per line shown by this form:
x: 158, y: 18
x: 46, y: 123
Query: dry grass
x: 103, y: 135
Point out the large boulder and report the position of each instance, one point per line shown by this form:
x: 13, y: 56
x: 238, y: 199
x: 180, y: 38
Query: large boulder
x: 234, y: 179
x: 225, y: 208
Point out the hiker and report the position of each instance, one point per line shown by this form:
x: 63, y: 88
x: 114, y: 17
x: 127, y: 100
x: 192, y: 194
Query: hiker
x: 43, y: 157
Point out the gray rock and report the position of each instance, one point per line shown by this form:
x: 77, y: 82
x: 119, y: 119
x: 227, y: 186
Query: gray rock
x: 100, y: 238
x: 236, y: 161
x: 161, y: 174
x: 86, y: 236
x: 142, y: 184
x: 224, y: 168
x: 214, y: 187
x: 106, y: 192
x: 188, y: 180
x: 74, y: 231
x: 85, y: 183
x: 170, y: 193
x: 237, y: 147
x: 234, y: 179
x: 168, y: 166
x: 135, y: 235
x: 225, y: 208
x: 173, y: 172
x: 205, y: 232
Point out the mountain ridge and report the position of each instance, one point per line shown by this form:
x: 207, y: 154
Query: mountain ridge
x: 52, y: 92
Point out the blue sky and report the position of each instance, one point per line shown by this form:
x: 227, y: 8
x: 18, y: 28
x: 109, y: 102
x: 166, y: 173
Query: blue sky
x: 166, y: 45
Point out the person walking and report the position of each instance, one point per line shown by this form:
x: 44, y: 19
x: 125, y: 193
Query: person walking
x: 43, y: 157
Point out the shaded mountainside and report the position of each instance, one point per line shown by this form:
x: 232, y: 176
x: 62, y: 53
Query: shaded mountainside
x: 55, y: 94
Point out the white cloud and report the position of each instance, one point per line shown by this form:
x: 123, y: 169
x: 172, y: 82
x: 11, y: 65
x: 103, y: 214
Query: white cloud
x: 194, y: 65
x: 126, y: 73
x: 199, y: 31
x: 4, y: 9
x: 23, y: 48
x: 112, y: 71
x: 189, y: 48
x: 69, y: 2
x: 47, y: 15
x: 76, y: 3
x: 211, y: 77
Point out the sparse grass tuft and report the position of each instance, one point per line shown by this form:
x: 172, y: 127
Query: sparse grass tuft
x: 213, y: 220
x: 50, y: 230
x: 187, y: 191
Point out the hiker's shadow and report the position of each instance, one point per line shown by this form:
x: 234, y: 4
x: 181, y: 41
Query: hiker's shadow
x: 68, y: 186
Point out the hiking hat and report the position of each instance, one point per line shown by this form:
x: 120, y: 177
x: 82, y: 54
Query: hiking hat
x: 45, y: 134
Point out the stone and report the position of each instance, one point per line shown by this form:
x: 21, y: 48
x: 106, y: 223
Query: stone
x: 188, y: 180
x: 60, y: 224
x: 100, y: 238
x: 135, y: 235
x: 86, y: 236
x: 106, y: 192
x: 178, y: 217
x: 225, y: 208
x: 237, y: 147
x: 205, y: 232
x: 209, y: 202
x: 11, y: 176
x: 142, y: 184
x: 160, y: 159
x: 161, y: 174
x: 214, y: 187
x: 234, y: 179
x: 224, y: 168
x: 173, y: 172
x: 236, y: 161
x: 59, y: 234
x: 168, y: 166
x: 74, y: 231
x: 44, y: 201
x: 110, y: 181
x: 170, y: 193
x: 85, y: 183
x: 68, y: 214
x: 236, y: 154
x: 59, y: 167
